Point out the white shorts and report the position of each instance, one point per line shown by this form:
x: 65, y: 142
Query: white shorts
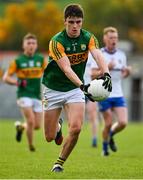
x: 36, y: 104
x: 56, y: 99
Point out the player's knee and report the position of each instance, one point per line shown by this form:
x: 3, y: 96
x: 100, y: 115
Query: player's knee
x: 30, y: 123
x: 108, y: 125
x: 123, y: 124
x: 75, y: 131
x: 37, y: 126
x: 49, y: 138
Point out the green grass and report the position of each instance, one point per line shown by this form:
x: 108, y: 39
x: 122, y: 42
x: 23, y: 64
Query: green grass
x: 85, y: 162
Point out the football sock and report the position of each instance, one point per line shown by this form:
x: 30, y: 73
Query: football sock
x: 94, y: 141
x: 111, y: 133
x: 105, y: 146
x: 60, y: 161
x: 95, y: 138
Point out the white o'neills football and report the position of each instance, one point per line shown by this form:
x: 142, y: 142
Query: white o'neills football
x: 97, y: 90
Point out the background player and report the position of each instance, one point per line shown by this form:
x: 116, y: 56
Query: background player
x: 115, y: 104
x: 91, y: 107
x: 29, y: 68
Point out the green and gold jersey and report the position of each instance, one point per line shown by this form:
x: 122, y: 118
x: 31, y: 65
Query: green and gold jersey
x: 31, y: 69
x: 76, y: 49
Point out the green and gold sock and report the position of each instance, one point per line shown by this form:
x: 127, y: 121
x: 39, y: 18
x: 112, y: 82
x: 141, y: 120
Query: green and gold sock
x: 60, y: 161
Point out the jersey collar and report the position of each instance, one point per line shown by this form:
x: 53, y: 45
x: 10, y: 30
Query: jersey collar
x: 110, y: 52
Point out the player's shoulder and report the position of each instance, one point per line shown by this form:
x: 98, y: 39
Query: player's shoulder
x: 86, y: 34
x: 102, y: 49
x: 58, y: 36
x: 120, y: 51
x: 39, y: 56
x: 61, y: 35
x: 19, y: 57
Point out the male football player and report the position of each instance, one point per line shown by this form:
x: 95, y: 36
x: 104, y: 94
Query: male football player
x: 28, y: 67
x: 63, y: 80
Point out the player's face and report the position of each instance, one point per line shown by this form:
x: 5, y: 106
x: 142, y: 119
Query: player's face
x: 73, y: 26
x: 30, y: 46
x: 111, y: 40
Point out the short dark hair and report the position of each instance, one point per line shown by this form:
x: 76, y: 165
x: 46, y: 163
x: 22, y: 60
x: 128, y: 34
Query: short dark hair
x: 29, y: 36
x: 74, y: 10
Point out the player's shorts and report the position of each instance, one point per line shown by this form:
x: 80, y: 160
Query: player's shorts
x: 111, y: 103
x: 55, y: 99
x: 87, y: 100
x: 36, y: 104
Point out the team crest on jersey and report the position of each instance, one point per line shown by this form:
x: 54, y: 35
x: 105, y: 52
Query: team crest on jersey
x: 83, y: 47
x: 68, y: 49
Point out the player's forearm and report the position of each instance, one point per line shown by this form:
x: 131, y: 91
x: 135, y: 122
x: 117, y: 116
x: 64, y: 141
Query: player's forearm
x: 129, y: 70
x: 101, y: 62
x: 97, y: 54
x: 126, y: 71
x: 9, y: 80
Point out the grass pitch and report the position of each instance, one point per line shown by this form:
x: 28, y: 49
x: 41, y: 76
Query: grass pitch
x: 85, y: 162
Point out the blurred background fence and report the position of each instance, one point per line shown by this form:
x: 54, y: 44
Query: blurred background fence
x: 44, y: 18
x: 132, y: 86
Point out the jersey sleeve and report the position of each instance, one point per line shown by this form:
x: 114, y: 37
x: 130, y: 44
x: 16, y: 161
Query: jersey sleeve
x: 45, y: 63
x: 56, y: 50
x: 93, y: 43
x: 12, y: 68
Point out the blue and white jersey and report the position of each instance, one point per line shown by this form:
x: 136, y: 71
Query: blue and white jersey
x: 89, y: 65
x: 120, y: 60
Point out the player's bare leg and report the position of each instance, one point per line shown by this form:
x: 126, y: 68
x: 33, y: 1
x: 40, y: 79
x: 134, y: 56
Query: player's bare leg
x: 92, y: 117
x: 38, y: 120
x: 75, y: 115
x: 52, y: 130
x: 122, y: 117
x: 51, y: 123
x: 105, y: 134
x: 30, y: 119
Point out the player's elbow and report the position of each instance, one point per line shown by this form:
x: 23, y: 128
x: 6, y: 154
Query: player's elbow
x: 4, y: 78
x: 129, y: 69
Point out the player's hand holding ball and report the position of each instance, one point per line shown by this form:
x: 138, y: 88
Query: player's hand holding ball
x: 84, y: 88
x: 107, y: 81
x: 98, y: 89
